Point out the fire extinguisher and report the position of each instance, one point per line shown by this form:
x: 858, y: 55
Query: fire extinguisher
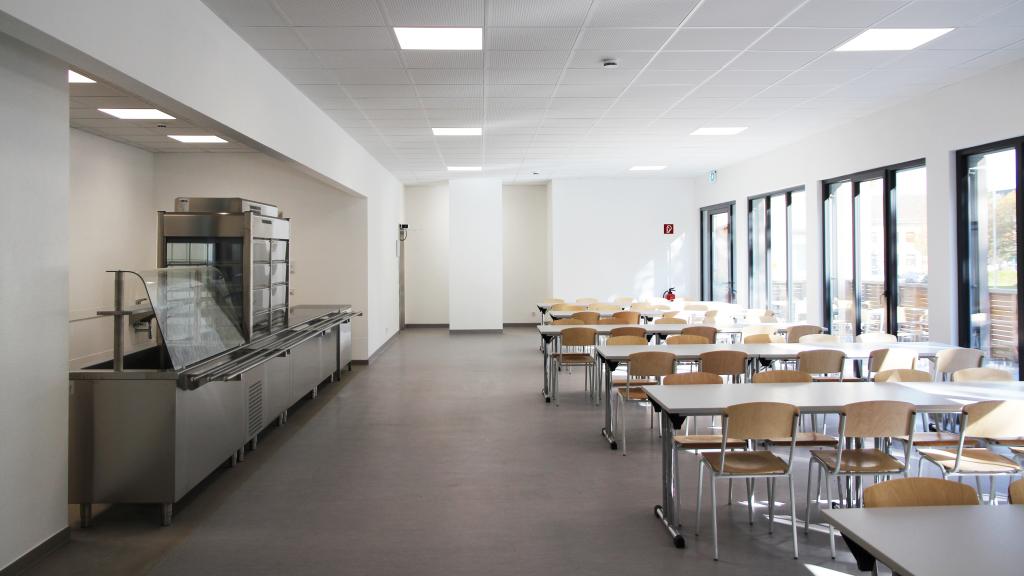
x: 669, y: 294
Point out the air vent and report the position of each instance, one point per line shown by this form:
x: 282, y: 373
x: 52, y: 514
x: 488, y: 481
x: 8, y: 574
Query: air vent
x: 255, y: 408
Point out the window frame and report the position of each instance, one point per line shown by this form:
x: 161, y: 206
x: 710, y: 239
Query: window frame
x: 890, y: 285
x: 706, y: 262
x: 788, y: 192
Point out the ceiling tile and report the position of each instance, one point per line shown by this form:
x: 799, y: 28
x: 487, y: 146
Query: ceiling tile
x: 359, y: 58
x: 450, y: 90
x: 331, y: 13
x: 381, y: 90
x: 322, y: 90
x: 796, y: 39
x: 653, y: 13
x: 309, y: 75
x: 595, y: 58
x: 748, y: 77
x: 434, y: 13
x: 797, y: 90
x: 715, y: 38
x: 821, y: 77
x: 935, y: 58
x: 617, y: 76
x: 853, y: 60
x: 942, y: 14
x: 1010, y: 16
x: 692, y: 60
x: 520, y: 90
x: 291, y: 58
x: 710, y: 91
x: 988, y: 38
x: 339, y: 38
x: 655, y: 90
x: 526, y: 59
x: 246, y: 12
x: 842, y: 13
x: 371, y: 76
x: 530, y: 38
x: 741, y: 13
x: 334, y: 103
x: 271, y: 38
x: 623, y: 38
x: 443, y: 58
x: 673, y: 76
x: 752, y: 60
x: 523, y: 76
x: 588, y: 90
x: 537, y: 12
x: 440, y: 76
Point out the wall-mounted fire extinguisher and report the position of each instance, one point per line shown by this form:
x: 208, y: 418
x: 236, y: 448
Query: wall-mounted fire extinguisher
x: 669, y: 294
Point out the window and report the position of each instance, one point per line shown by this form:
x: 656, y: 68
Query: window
x: 777, y: 248
x: 876, y: 253
x: 988, y: 213
x: 717, y: 253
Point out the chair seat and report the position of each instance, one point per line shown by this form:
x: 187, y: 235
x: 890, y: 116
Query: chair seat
x: 744, y: 463
x: 1019, y: 450
x: 574, y: 359
x: 973, y: 460
x: 806, y: 439
x: 637, y: 394
x: 941, y: 439
x: 704, y: 442
x: 859, y: 461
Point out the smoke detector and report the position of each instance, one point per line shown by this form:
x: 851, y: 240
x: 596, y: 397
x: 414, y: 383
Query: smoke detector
x: 610, y: 63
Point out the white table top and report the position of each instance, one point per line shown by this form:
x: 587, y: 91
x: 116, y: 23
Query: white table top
x: 938, y: 540
x: 604, y: 329
x: 812, y: 397
x: 557, y: 314
x: 774, y: 351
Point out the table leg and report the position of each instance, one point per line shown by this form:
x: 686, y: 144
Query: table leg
x: 608, y: 431
x: 666, y: 511
x: 546, y: 390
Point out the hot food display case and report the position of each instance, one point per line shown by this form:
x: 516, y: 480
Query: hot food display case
x: 151, y: 423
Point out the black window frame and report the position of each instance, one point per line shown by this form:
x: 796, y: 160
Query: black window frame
x: 788, y: 192
x: 963, y: 275
x: 891, y: 282
x: 706, y: 262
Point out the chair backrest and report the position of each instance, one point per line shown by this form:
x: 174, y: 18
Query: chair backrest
x: 903, y: 376
x: 664, y: 320
x: 563, y: 307
x: 626, y: 341
x: 579, y: 337
x: 794, y: 333
x: 587, y: 317
x: 920, y: 491
x: 628, y: 316
x: 876, y: 338
x: 1015, y: 492
x: 877, y: 419
x: 603, y: 307
x: 994, y: 419
x: 662, y: 307
x: 724, y: 362
x: 891, y: 359
x: 629, y: 331
x: 587, y: 300
x: 759, y: 421
x: 611, y: 320
x: 779, y: 376
x: 670, y: 314
x: 989, y: 374
x: 769, y: 319
x: 692, y: 378
x: 567, y: 321
x: 757, y: 339
x: 642, y: 306
x: 819, y: 339
x: 553, y: 301
x: 710, y: 316
x: 623, y: 300
x: 821, y: 361
x: 686, y: 339
x: 644, y: 364
x: 709, y: 332
x: 949, y: 361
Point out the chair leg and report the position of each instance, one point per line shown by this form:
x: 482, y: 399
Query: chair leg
x: 771, y: 503
x: 792, y: 514
x: 714, y: 516
x: 807, y: 510
x: 750, y: 501
x: 831, y: 531
x: 622, y: 421
x: 700, y: 495
x: 729, y: 503
x: 992, y: 490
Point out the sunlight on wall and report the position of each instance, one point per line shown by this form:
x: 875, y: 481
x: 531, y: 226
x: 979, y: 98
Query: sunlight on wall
x: 643, y: 282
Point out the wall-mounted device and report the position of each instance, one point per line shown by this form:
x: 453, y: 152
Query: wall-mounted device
x: 403, y: 232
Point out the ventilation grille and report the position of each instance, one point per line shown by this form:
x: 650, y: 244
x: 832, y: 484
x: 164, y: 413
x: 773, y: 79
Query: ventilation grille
x: 255, y: 407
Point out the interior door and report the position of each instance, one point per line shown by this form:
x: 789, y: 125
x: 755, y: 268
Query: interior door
x: 718, y: 253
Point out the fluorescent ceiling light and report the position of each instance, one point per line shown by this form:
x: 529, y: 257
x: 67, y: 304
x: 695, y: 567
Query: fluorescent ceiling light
x: 457, y: 131
x: 646, y: 168
x: 193, y: 139
x: 464, y: 168
x: 718, y: 131
x: 876, y: 39
x: 136, y: 113
x: 440, y: 38
x: 76, y: 78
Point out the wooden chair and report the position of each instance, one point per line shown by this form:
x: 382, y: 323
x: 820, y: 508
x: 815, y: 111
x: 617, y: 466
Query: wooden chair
x: 552, y: 301
x: 650, y: 367
x: 827, y: 363
x: 642, y: 307
x: 757, y: 339
x: 993, y: 420
x: 949, y: 361
x: 781, y: 376
x: 732, y: 363
x: 623, y: 300
x: 603, y: 307
x: 703, y: 442
x: 901, y: 492
x: 695, y: 308
x: 885, y: 359
x: 710, y: 317
x: 903, y: 376
x: 627, y: 317
x: 567, y: 322
x: 587, y: 301
x: 628, y: 340
x: 686, y: 339
x: 924, y: 438
x: 709, y: 332
x: 664, y: 320
x: 611, y: 320
x: 794, y: 333
x: 750, y: 423
x: 876, y: 338
x: 982, y: 375
x: 587, y: 317
x: 692, y: 378
x: 1015, y: 492
x: 878, y: 419
x: 819, y: 339
x: 581, y: 341
x: 670, y: 314
x: 567, y: 308
x: 629, y: 331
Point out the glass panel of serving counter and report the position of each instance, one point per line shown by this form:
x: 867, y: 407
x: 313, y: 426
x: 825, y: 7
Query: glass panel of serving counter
x: 147, y: 425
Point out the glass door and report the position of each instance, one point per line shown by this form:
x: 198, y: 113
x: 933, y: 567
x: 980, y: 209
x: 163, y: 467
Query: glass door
x: 989, y: 276
x: 717, y: 253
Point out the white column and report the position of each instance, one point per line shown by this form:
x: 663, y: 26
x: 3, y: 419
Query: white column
x: 475, y: 273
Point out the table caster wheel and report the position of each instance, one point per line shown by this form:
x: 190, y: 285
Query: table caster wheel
x: 614, y: 446
x: 679, y: 541
x: 547, y: 400
x: 657, y: 510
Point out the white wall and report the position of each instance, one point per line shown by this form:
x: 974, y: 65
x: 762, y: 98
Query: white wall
x: 607, y: 240
x: 475, y: 270
x: 525, y: 227
x: 329, y: 228
x: 34, y: 299
x: 112, y: 226
x: 984, y: 108
x: 385, y: 210
x: 426, y: 254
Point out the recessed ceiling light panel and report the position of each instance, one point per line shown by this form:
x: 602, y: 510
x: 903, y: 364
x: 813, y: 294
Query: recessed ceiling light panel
x: 464, y: 168
x: 440, y: 38
x: 136, y: 113
x: 881, y: 39
x: 197, y: 139
x: 76, y: 78
x: 718, y: 131
x: 457, y: 131
x: 646, y: 168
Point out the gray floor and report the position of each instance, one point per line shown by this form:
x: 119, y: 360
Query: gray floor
x: 440, y: 458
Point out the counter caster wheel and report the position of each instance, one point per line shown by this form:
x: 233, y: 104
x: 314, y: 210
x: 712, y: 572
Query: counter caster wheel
x: 614, y: 446
x: 678, y: 541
